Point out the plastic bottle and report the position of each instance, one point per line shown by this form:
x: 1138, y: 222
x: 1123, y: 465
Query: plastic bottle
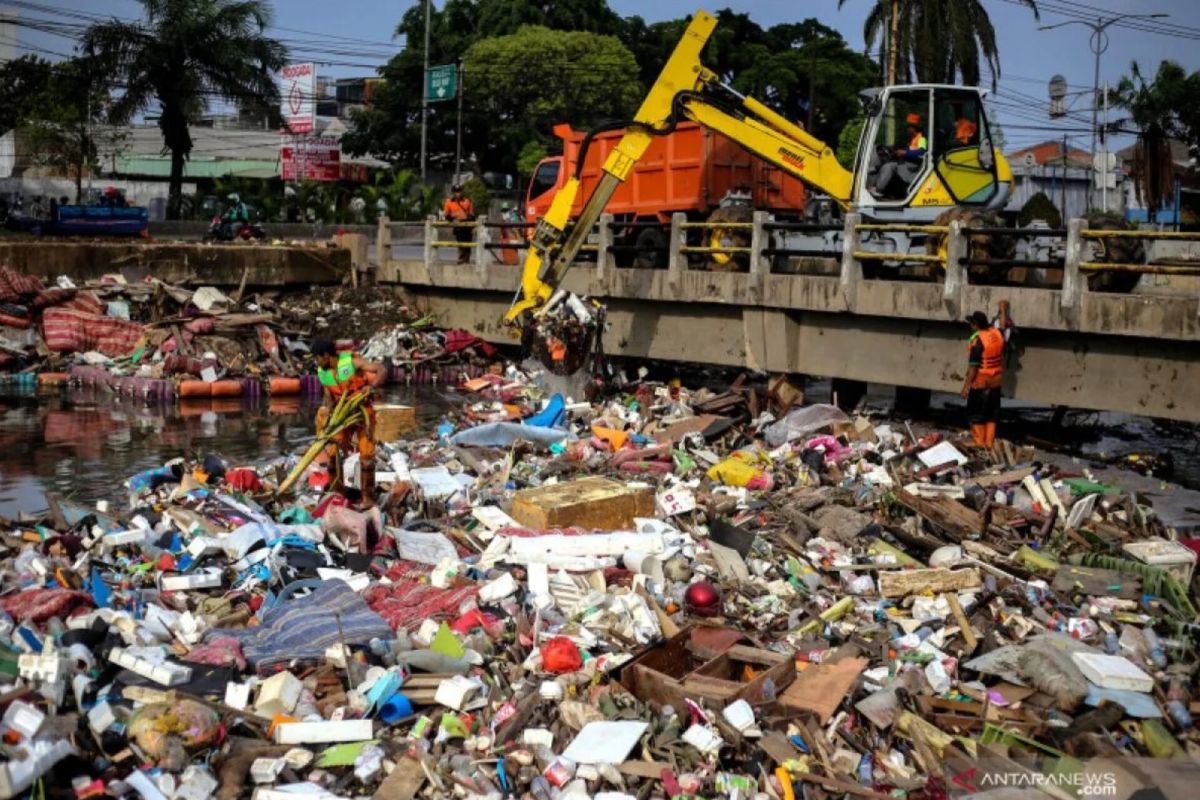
x: 865, y: 770
x: 1154, y: 648
x: 1180, y: 713
x: 1110, y: 642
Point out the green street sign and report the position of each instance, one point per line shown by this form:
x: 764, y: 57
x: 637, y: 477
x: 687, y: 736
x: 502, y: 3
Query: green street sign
x: 441, y: 83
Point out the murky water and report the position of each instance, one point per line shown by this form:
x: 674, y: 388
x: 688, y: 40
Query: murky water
x: 83, y: 443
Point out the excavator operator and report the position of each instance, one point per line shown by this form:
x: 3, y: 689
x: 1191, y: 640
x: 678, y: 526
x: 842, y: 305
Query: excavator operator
x: 908, y: 160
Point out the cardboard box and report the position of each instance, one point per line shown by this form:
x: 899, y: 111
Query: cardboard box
x: 590, y: 503
x: 393, y: 421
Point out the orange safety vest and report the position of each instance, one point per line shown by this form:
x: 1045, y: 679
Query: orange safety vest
x: 458, y: 210
x: 991, y: 366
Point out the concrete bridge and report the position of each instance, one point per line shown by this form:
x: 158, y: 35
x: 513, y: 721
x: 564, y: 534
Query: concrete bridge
x: 1134, y: 353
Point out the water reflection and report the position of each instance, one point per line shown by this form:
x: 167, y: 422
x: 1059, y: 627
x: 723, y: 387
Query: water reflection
x: 83, y: 443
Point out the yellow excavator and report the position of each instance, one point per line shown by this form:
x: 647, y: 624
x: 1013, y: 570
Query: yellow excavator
x: 925, y: 149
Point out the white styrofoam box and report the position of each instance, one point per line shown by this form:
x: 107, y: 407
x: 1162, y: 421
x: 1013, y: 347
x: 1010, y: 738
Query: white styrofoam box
x: 196, y: 783
x: 48, y: 667
x: 164, y: 674
x: 1164, y: 554
x: 23, y: 718
x: 278, y: 694
x: 207, y: 579
x: 1113, y: 672
x: 346, y: 730
x: 266, y: 770
x: 113, y: 540
x: 237, y: 695
x: 101, y: 717
x: 19, y: 774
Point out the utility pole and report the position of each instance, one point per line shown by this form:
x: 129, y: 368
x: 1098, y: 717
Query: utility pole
x: 1098, y: 42
x: 1064, y: 177
x: 458, y: 135
x: 1105, y: 171
x: 892, y: 48
x: 425, y: 95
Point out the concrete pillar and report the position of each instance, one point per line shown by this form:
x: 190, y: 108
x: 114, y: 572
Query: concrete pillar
x: 956, y: 273
x: 383, y: 248
x: 846, y: 393
x: 851, y: 269
x: 430, y: 236
x: 483, y: 256
x: 912, y: 400
x: 605, y: 262
x: 676, y: 261
x: 1073, y: 280
x: 760, y: 265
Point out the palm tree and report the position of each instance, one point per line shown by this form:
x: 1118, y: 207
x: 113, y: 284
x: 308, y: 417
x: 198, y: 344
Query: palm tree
x: 184, y: 54
x: 1156, y: 107
x: 935, y: 40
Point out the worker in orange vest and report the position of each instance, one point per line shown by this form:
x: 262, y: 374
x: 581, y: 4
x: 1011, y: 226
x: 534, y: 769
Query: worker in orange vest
x: 985, y: 374
x: 458, y: 208
x: 349, y: 373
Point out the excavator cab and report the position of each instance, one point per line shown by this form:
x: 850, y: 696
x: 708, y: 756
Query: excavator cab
x: 926, y: 148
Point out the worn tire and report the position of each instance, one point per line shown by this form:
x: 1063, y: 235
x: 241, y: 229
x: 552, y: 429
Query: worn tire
x: 979, y: 246
x: 1117, y: 251
x: 651, y: 253
x: 718, y: 237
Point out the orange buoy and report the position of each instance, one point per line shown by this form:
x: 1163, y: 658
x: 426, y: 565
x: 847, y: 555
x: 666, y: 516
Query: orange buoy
x: 284, y: 386
x: 227, y: 388
x: 195, y: 389
x: 53, y: 378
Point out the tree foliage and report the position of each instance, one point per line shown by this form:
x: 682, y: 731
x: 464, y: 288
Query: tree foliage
x: 1163, y: 108
x: 54, y: 108
x: 937, y: 41
x: 182, y: 55
x: 515, y: 98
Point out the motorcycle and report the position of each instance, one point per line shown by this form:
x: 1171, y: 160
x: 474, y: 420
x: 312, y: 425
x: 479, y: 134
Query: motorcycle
x: 225, y: 230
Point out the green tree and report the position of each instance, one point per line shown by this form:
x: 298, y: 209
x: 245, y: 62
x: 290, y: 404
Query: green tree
x: 55, y: 109
x: 937, y: 41
x: 532, y: 152
x: 182, y: 55
x: 1164, y: 108
x: 578, y: 76
x: 847, y: 143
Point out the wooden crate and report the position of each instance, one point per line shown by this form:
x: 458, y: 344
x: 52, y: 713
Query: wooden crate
x: 392, y: 421
x: 590, y: 503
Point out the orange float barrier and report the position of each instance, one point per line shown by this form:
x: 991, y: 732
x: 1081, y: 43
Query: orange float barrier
x: 195, y: 389
x: 284, y: 386
x: 227, y: 388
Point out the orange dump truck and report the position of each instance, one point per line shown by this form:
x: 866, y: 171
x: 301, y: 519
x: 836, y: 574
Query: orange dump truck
x: 690, y: 170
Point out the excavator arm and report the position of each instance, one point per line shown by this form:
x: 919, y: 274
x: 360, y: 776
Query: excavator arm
x: 686, y: 89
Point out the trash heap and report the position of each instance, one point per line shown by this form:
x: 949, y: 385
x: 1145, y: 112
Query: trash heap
x: 157, y: 341
x: 666, y: 593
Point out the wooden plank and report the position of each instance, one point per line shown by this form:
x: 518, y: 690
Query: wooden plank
x: 906, y: 582
x: 403, y: 783
x: 965, y: 624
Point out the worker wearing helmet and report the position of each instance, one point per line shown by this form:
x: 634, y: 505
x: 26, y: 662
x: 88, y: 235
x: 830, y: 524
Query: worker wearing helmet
x: 349, y: 373
x: 908, y: 159
x: 985, y: 373
x: 458, y: 208
x: 237, y: 211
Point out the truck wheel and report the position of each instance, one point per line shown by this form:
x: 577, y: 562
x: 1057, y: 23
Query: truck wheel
x: 1117, y: 251
x: 651, y: 252
x: 729, y: 237
x: 980, y: 247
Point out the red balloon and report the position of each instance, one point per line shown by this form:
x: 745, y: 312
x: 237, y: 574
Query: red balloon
x: 703, y: 599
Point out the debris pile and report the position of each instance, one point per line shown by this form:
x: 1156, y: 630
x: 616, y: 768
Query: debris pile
x: 664, y: 593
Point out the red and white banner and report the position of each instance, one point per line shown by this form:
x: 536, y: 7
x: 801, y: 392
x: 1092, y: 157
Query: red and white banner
x: 310, y: 158
x: 298, y: 96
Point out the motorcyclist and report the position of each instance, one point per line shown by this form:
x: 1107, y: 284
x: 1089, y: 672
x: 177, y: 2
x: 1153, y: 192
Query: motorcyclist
x: 237, y: 213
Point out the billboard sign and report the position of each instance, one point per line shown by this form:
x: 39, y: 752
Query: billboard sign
x: 310, y: 158
x: 298, y: 95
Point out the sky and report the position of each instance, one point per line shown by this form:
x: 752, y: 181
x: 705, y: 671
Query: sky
x: 355, y: 34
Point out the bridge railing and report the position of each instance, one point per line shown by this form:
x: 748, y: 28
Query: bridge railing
x: 755, y: 249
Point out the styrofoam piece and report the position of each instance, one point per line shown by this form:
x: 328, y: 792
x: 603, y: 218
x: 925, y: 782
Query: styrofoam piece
x: 18, y: 775
x: 206, y: 579
x: 1164, y: 554
x: 550, y: 548
x: 295, y: 791
x: 111, y: 541
x: 458, y: 692
x: 23, y: 718
x: 1113, y: 672
x: 101, y: 717
x: 941, y: 453
x: 164, y: 674
x: 196, y: 783
x: 140, y: 782
x: 498, y: 589
x: 47, y: 667
x: 237, y: 695
x: 346, y: 730
x: 266, y: 770
x: 278, y: 694
x: 703, y: 738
